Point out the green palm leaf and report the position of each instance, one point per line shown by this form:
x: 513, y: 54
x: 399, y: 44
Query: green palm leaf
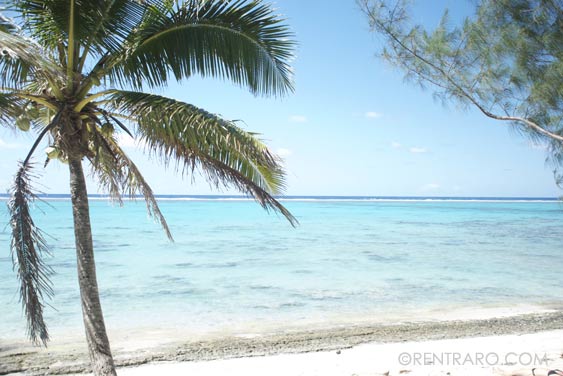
x: 10, y: 108
x: 118, y: 175
x: 177, y: 131
x: 28, y: 245
x: 237, y: 40
x: 22, y: 60
x: 58, y: 50
x: 103, y: 24
x: 7, y: 25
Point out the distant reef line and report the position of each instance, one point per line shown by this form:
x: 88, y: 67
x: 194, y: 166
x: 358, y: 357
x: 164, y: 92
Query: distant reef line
x: 65, y: 196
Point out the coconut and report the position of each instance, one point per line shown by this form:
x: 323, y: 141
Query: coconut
x: 23, y: 123
x: 107, y: 129
x: 52, y: 152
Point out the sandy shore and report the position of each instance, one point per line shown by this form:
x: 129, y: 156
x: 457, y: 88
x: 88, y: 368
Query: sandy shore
x: 364, y: 349
x: 518, y: 355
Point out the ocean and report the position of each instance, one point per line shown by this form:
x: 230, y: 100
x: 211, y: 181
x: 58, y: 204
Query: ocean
x: 235, y: 267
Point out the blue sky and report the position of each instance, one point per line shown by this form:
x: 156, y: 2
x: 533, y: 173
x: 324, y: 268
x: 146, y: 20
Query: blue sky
x: 352, y: 127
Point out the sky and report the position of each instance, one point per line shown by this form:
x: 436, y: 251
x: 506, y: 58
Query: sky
x: 353, y: 126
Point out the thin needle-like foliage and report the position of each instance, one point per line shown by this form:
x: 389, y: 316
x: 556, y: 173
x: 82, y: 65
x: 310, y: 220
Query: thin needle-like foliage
x: 506, y: 61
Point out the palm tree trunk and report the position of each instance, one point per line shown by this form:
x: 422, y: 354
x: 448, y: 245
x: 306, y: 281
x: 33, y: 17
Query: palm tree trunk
x: 98, y: 343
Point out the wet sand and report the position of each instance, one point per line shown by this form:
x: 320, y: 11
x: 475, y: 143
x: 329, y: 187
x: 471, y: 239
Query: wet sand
x: 67, y: 357
x: 506, y: 355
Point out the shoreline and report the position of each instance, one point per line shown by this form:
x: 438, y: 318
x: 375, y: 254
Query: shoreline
x: 69, y: 358
x: 506, y: 355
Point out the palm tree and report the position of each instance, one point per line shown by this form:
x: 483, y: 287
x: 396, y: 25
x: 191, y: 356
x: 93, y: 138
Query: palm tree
x: 74, y: 71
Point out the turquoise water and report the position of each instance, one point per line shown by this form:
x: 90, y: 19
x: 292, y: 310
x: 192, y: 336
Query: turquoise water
x: 234, y: 265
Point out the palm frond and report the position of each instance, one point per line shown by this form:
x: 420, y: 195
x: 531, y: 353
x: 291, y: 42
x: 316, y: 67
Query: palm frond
x: 194, y: 138
x: 21, y: 59
x: 119, y: 175
x: 111, y: 22
x: 220, y: 173
x: 11, y: 106
x: 238, y: 40
x: 104, y: 23
x: 7, y: 25
x: 45, y: 21
x: 28, y: 247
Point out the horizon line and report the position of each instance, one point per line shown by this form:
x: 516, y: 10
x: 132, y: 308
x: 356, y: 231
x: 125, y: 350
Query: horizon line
x: 210, y: 196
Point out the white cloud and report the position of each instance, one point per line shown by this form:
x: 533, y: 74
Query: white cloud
x: 298, y: 119
x: 283, y: 152
x: 373, y: 115
x: 396, y: 145
x: 430, y: 186
x: 6, y: 145
x: 418, y: 150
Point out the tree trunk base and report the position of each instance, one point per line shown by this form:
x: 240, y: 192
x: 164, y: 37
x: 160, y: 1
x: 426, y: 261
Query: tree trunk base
x: 98, y: 343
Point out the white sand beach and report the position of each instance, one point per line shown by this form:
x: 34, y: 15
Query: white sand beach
x: 503, y: 344
x: 515, y: 355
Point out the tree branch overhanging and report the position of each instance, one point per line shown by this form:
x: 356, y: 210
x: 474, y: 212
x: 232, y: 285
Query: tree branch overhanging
x: 390, y: 26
